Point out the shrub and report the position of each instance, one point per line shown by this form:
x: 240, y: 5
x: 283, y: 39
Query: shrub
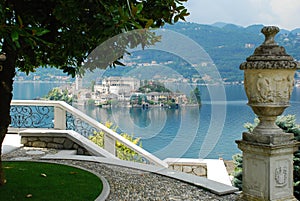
x: 122, y: 151
x: 287, y: 124
x: 59, y: 94
x: 238, y: 170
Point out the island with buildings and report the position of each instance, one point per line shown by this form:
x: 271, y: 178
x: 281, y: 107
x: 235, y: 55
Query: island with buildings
x: 130, y: 92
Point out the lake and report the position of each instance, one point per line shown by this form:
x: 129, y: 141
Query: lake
x: 206, y: 132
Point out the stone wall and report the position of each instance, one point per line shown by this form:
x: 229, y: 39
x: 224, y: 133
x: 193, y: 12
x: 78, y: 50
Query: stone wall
x: 54, y: 143
x: 199, y: 169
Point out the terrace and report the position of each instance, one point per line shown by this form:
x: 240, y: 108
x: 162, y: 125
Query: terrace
x: 54, y: 130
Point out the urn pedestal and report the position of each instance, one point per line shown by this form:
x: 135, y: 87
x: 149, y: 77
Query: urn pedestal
x: 267, y: 171
x: 268, y: 151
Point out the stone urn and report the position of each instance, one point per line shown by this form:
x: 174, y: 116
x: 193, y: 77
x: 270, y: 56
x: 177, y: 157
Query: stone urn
x: 268, y: 80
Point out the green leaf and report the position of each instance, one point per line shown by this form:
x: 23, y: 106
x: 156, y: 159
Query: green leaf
x: 180, y: 8
x: 297, y: 183
x: 138, y: 26
x: 134, y: 9
x: 139, y: 8
x: 39, y: 31
x: 14, y: 36
x: 176, y: 18
x: 42, y: 32
x: 149, y: 23
x: 20, y: 21
x: 17, y: 44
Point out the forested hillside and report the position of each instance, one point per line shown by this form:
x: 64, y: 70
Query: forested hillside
x: 228, y: 46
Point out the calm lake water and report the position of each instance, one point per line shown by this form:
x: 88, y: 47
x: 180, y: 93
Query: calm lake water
x: 206, y: 132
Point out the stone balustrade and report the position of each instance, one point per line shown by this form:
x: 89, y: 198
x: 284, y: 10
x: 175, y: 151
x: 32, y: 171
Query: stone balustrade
x: 58, y: 115
x: 59, y: 131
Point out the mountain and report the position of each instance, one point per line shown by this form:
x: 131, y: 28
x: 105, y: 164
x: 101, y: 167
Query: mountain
x: 296, y: 31
x: 219, y: 24
x: 228, y: 45
x: 254, y: 29
x: 284, y: 31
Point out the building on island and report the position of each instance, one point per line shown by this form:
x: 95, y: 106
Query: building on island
x: 120, y: 86
x: 128, y: 91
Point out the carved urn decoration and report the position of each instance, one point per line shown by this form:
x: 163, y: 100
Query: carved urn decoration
x: 268, y: 80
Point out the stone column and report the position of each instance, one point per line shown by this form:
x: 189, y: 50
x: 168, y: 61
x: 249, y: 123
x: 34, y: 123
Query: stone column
x: 268, y: 151
x: 60, y: 121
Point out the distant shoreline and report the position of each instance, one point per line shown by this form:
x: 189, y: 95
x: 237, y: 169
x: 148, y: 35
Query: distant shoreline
x: 297, y: 84
x: 31, y: 81
x: 64, y: 82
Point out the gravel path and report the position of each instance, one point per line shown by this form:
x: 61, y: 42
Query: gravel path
x: 134, y: 185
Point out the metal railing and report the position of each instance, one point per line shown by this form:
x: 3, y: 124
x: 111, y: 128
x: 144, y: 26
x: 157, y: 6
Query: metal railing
x: 60, y: 115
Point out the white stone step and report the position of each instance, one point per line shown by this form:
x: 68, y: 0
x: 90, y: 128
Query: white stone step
x: 216, y: 171
x: 63, y: 153
x: 10, y: 143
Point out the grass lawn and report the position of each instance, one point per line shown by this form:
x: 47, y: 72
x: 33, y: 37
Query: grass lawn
x: 47, y: 182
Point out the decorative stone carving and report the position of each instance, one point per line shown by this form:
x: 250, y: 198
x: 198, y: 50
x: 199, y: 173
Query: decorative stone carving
x: 268, y: 151
x: 269, y: 80
x: 281, y: 174
x: 268, y: 86
x: 268, y: 64
x: 269, y: 55
x: 270, y: 33
x: 267, y: 171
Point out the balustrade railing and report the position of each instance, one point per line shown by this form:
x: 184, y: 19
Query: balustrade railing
x: 60, y: 115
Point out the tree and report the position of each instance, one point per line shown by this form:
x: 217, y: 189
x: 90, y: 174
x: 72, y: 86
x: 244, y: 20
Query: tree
x: 59, y: 94
x: 153, y: 87
x: 93, y: 83
x: 195, y: 94
x: 62, y: 33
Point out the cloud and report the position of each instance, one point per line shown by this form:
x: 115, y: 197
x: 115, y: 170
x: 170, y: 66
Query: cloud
x: 288, y: 12
x: 284, y: 14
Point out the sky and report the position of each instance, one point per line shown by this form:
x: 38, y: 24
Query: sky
x: 282, y: 13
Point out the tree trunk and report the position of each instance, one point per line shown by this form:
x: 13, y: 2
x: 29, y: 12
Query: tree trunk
x: 2, y: 176
x: 7, y: 73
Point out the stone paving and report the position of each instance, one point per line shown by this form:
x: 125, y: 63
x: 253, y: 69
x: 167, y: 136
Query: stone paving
x: 128, y: 184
